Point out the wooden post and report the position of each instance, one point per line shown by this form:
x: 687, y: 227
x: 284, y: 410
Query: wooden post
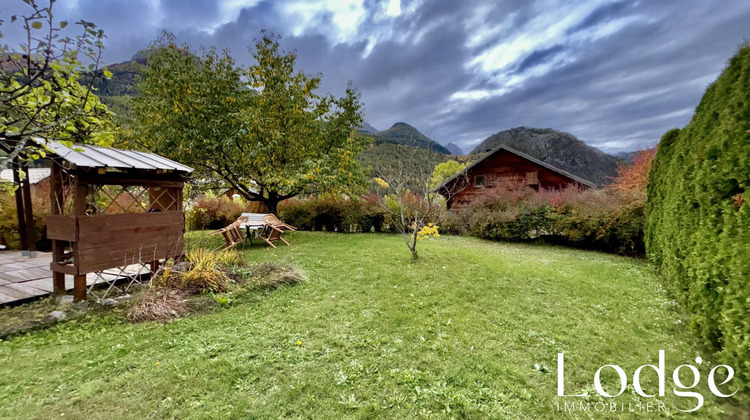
x: 58, y: 247
x: 79, y: 287
x: 79, y: 280
x: 27, y: 206
x: 178, y: 204
x: 19, y: 207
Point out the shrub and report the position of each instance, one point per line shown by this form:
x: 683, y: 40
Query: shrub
x: 314, y: 213
x: 634, y: 177
x: 333, y: 214
x: 517, y: 224
x: 698, y: 221
x: 365, y: 215
x: 455, y: 222
x: 606, y: 220
x: 298, y: 212
x: 9, y: 221
x: 217, y: 212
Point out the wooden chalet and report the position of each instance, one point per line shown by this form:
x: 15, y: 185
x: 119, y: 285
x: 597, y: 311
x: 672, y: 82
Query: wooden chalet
x: 505, y: 163
x: 112, y: 208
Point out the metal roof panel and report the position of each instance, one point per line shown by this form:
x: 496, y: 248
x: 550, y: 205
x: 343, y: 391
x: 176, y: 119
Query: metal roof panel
x: 108, y: 157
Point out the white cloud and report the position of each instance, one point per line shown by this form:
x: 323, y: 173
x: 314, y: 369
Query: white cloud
x: 550, y: 27
x: 545, y: 30
x: 393, y: 8
x: 346, y: 17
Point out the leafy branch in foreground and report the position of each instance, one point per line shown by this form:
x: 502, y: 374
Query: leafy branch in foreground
x: 41, y: 95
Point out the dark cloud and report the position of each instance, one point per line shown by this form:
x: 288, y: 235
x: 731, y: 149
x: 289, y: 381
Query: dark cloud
x: 617, y: 74
x: 191, y: 12
x: 538, y: 57
x: 603, y: 14
x: 624, y: 91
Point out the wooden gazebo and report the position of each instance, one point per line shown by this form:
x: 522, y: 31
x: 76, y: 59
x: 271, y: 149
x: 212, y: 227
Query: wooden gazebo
x: 112, y: 208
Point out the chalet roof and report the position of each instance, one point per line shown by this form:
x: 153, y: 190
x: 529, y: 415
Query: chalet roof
x: 522, y: 155
x: 83, y: 155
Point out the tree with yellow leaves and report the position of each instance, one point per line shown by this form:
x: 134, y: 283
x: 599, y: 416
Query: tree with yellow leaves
x: 410, y: 197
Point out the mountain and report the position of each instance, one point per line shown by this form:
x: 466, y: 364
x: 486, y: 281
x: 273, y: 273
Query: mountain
x: 124, y: 78
x: 626, y: 157
x: 381, y: 159
x: 454, y: 149
x: 117, y: 91
x: 556, y: 148
x: 367, y: 128
x: 403, y: 133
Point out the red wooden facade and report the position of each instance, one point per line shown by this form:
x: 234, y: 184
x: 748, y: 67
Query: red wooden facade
x: 503, y: 164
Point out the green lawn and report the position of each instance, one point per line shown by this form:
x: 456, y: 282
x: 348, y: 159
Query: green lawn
x: 456, y: 334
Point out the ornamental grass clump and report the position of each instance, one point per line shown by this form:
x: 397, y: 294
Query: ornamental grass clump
x: 206, y: 270
x: 273, y: 276
x: 178, y: 287
x: 209, y: 270
x: 159, y: 304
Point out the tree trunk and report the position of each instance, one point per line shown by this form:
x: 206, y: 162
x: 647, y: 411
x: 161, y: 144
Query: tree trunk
x: 272, y: 204
x: 19, y: 208
x: 413, y: 247
x: 28, y: 208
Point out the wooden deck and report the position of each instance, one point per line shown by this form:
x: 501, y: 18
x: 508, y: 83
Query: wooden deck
x: 24, y: 278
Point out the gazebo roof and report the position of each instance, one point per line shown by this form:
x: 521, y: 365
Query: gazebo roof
x: 87, y: 156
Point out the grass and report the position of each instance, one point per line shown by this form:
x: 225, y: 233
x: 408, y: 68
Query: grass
x: 470, y: 330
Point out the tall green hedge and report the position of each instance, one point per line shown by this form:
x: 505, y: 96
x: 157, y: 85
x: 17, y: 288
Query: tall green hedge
x: 698, y: 215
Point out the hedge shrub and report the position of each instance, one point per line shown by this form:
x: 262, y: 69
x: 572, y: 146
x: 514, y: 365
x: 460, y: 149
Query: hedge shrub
x: 216, y: 212
x: 605, y: 220
x: 333, y: 214
x: 698, y: 218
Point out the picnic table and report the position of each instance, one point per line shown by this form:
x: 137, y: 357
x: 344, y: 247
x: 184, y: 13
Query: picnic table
x: 252, y: 222
x: 265, y: 226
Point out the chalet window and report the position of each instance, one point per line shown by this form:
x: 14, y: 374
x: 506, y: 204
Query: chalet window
x: 479, y: 181
x: 532, y: 178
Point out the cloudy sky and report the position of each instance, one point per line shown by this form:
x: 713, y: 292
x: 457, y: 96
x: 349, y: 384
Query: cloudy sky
x: 617, y: 74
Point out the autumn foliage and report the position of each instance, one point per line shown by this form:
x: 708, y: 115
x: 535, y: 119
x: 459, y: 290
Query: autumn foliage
x: 634, y: 177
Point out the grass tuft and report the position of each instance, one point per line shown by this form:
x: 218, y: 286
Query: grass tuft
x: 159, y: 304
x: 273, y: 276
x: 208, y: 271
